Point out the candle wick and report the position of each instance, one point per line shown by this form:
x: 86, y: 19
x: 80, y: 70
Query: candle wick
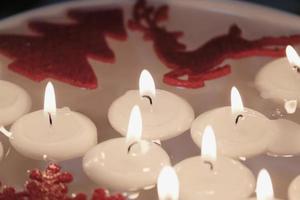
x: 237, y: 118
x: 130, y: 146
x: 149, y: 98
x: 50, y: 119
x: 211, y: 166
x: 157, y: 143
x: 296, y: 68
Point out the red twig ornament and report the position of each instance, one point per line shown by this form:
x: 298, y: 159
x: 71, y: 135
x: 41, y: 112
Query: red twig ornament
x: 60, y: 51
x: 205, y: 62
x: 51, y: 184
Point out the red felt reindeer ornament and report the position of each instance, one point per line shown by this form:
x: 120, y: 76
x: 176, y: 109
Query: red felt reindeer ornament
x: 205, y: 62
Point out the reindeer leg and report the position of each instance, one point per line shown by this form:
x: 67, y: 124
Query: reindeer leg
x: 173, y: 78
x: 275, y: 52
x: 212, y: 74
x: 278, y: 41
x: 194, y: 80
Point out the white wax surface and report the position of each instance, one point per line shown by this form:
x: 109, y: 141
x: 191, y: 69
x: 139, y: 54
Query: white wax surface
x: 169, y: 116
x: 109, y: 165
x: 1, y: 151
x: 228, y: 180
x: 251, y: 136
x: 294, y: 189
x: 267, y: 199
x: 287, y: 141
x: 14, y: 102
x: 70, y: 136
x: 279, y: 81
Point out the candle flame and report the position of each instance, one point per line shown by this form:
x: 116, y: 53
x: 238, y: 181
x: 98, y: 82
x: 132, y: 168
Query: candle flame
x: 146, y: 84
x: 49, y: 99
x: 290, y: 106
x: 134, y: 130
x: 168, y: 184
x: 209, y: 146
x: 264, y: 187
x: 292, y: 56
x: 236, y: 101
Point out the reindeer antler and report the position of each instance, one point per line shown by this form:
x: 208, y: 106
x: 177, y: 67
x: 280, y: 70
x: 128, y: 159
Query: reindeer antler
x: 146, y: 17
x: 139, y: 15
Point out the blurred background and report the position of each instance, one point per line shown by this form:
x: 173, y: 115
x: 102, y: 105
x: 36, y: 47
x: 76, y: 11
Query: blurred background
x: 10, y: 7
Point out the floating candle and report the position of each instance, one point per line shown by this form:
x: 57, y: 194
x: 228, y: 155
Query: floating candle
x: 165, y: 115
x: 126, y: 164
x: 241, y: 132
x: 280, y: 79
x: 14, y: 103
x: 53, y: 134
x: 287, y: 141
x: 294, y: 189
x: 264, y: 187
x: 168, y: 184
x: 212, y: 178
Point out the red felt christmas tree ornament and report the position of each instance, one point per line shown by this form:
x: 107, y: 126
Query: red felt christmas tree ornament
x: 61, y: 51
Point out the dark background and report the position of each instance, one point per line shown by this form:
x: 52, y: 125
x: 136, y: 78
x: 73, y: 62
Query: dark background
x: 10, y: 7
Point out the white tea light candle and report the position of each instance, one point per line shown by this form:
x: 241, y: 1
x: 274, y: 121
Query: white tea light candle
x: 294, y: 189
x: 241, y: 132
x: 126, y: 164
x: 14, y: 102
x: 287, y: 141
x: 53, y: 134
x: 213, y: 177
x: 280, y: 79
x: 165, y: 115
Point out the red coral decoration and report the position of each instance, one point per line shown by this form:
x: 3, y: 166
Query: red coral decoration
x: 203, y: 63
x: 51, y: 184
x: 60, y: 51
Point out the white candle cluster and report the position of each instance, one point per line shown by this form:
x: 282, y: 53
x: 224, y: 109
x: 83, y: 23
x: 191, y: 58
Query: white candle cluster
x: 136, y: 162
